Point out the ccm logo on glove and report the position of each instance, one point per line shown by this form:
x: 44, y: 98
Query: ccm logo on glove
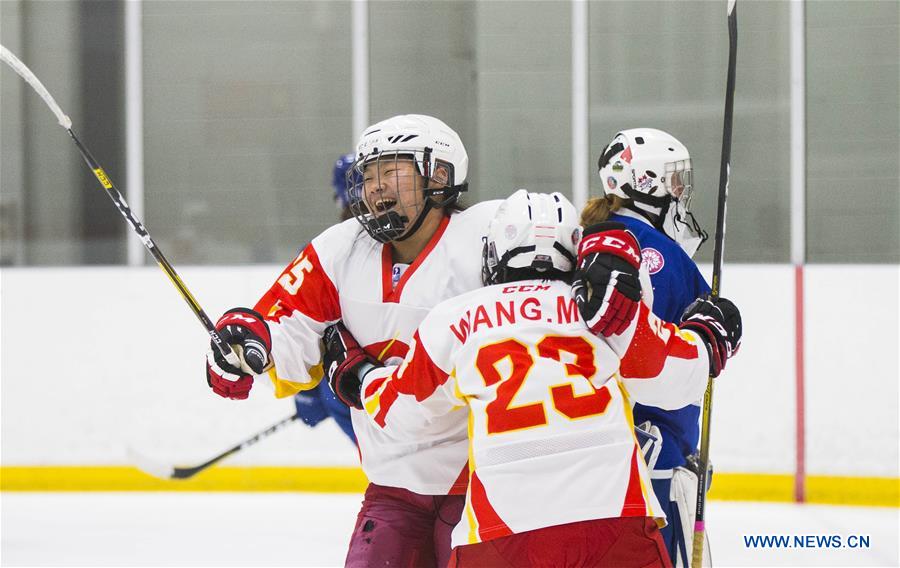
x: 615, y: 240
x: 606, y: 283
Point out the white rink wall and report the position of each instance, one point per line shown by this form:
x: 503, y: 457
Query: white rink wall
x: 94, y: 360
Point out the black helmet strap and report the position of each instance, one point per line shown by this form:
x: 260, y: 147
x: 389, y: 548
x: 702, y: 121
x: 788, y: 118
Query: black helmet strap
x: 661, y: 202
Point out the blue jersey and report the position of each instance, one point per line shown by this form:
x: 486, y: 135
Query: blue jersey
x: 676, y: 283
x: 318, y: 404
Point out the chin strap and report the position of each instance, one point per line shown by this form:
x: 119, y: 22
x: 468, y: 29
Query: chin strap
x: 660, y: 202
x: 430, y: 194
x: 692, y: 222
x: 383, y: 227
x: 681, y: 226
x: 689, y: 235
x: 663, y: 204
x: 429, y: 205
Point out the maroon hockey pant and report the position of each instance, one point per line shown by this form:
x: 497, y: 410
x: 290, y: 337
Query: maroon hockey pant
x: 630, y: 542
x: 399, y: 528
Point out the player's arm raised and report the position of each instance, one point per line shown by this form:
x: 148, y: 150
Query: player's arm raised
x: 662, y: 365
x: 606, y: 285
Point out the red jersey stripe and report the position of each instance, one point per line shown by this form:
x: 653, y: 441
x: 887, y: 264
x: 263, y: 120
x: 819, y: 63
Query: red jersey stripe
x: 490, y: 525
x: 634, y: 505
x: 461, y: 485
x: 392, y: 294
x: 646, y: 356
x: 305, y: 287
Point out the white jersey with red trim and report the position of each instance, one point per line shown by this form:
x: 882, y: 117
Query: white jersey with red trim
x: 551, y: 435
x: 344, y: 274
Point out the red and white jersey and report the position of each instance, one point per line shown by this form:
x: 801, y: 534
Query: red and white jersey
x: 344, y: 274
x: 551, y: 435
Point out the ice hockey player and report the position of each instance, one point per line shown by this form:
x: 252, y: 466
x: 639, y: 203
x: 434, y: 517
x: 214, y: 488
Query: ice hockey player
x: 319, y: 404
x: 647, y: 182
x: 409, y: 247
x: 340, y: 183
x: 555, y: 474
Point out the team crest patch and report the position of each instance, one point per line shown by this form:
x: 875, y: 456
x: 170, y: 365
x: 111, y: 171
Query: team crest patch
x: 576, y: 236
x: 644, y: 182
x: 652, y: 259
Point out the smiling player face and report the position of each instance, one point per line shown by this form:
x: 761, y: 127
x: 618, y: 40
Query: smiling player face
x: 393, y: 184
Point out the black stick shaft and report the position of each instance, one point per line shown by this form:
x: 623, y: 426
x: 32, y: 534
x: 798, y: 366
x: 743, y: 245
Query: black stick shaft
x: 16, y: 64
x: 142, y: 233
x: 188, y: 472
x: 725, y: 165
x: 718, y: 259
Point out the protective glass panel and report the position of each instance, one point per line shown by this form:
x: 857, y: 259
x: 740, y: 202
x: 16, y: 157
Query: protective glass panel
x: 499, y: 73
x: 52, y: 209
x: 247, y: 107
x: 662, y: 65
x: 852, y: 128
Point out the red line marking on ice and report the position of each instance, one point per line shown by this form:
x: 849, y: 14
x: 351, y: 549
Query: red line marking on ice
x: 800, y: 474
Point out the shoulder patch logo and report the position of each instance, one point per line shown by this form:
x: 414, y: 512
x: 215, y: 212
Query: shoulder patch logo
x: 652, y: 259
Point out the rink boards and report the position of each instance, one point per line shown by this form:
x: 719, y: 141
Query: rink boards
x: 95, y: 360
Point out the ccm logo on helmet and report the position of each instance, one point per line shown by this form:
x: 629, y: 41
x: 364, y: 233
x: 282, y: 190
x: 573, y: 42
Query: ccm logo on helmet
x: 608, y: 241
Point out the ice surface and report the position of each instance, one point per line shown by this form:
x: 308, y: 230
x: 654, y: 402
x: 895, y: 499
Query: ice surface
x: 281, y: 529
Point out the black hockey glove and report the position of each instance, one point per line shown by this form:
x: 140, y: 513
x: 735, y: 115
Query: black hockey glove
x: 718, y: 322
x: 345, y: 364
x: 606, y: 285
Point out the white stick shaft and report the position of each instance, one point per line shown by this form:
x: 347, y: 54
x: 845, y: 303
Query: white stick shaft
x: 20, y: 68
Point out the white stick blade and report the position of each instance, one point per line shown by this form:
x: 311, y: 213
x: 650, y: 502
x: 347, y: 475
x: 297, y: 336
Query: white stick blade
x: 149, y: 465
x: 16, y: 64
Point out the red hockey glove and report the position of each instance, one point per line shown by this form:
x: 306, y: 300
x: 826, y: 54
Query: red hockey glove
x: 345, y: 364
x: 248, y: 334
x: 718, y: 322
x: 606, y: 285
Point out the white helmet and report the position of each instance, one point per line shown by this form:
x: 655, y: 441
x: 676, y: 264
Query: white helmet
x: 536, y: 232
x: 438, y: 154
x: 652, y: 170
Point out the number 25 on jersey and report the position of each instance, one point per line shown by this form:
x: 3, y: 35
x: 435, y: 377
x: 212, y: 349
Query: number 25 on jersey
x: 292, y: 279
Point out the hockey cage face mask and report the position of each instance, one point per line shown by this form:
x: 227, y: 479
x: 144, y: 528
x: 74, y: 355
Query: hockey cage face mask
x: 390, y: 194
x: 679, y: 222
x: 679, y: 181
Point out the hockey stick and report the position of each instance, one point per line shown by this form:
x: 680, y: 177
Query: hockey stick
x: 718, y: 255
x: 16, y: 64
x: 165, y: 471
